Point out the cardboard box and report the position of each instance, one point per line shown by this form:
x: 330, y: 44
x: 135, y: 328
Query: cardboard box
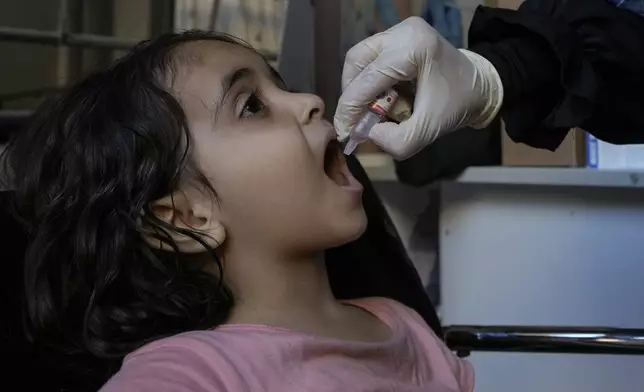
x: 571, y: 152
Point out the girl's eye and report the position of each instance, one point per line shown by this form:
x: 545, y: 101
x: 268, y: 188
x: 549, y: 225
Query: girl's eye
x: 252, y: 107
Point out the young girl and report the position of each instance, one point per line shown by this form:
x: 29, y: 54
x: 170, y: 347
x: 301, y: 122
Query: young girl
x: 179, y: 205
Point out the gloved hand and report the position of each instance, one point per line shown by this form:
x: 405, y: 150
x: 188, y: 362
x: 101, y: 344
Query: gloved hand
x: 454, y: 88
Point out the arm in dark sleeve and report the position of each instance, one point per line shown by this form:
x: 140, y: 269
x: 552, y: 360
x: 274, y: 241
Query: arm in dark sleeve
x: 565, y: 64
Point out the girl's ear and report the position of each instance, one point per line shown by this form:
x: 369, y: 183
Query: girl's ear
x: 192, y: 210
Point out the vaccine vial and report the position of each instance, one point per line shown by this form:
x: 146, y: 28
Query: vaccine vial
x: 376, y: 113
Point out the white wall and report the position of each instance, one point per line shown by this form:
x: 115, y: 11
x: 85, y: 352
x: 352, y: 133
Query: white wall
x: 553, y: 256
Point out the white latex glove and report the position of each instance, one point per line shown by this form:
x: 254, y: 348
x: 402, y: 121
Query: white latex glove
x: 454, y: 88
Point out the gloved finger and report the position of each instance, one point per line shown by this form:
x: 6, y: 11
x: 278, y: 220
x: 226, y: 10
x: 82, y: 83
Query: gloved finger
x: 368, y: 50
x: 394, y: 139
x: 359, y: 57
x: 377, y: 77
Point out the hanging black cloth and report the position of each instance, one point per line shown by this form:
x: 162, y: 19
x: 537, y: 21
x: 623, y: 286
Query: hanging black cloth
x: 565, y: 64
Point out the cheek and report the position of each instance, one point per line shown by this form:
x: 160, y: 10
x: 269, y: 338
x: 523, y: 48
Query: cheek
x: 261, y: 177
x: 271, y: 187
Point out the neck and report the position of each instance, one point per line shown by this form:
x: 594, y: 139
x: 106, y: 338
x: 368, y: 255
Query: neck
x: 278, y: 289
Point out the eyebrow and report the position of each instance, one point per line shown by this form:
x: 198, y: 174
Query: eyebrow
x: 276, y: 77
x: 227, y: 83
x: 230, y: 80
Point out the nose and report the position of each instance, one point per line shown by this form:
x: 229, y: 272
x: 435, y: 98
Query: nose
x: 309, y: 107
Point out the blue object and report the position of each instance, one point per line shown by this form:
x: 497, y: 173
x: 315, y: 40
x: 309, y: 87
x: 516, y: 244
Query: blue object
x: 592, y: 160
x: 445, y: 17
x: 387, y: 12
x: 636, y: 6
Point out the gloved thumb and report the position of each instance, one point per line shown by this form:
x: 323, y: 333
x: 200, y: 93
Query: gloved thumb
x: 395, y: 139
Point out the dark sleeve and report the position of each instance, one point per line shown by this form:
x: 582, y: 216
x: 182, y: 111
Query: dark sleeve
x: 565, y: 64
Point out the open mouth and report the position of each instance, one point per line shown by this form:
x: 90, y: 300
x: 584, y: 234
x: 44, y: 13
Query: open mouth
x: 335, y: 164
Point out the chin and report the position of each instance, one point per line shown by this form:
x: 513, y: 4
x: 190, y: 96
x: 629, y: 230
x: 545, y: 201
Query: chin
x: 350, y: 227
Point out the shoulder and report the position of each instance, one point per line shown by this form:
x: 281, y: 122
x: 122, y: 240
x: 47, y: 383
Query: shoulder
x: 397, y: 316
x: 184, y: 362
x: 385, y: 307
x: 422, y: 338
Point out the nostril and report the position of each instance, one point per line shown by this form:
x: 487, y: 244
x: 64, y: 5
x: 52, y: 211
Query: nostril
x: 315, y: 112
x: 310, y: 108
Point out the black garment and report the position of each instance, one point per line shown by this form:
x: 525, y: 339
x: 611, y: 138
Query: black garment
x: 377, y: 264
x: 452, y: 153
x: 565, y: 64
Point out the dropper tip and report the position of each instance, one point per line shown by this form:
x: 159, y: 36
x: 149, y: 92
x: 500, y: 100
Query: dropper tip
x: 350, y: 147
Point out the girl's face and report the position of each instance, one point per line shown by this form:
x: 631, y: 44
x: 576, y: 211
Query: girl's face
x: 263, y: 150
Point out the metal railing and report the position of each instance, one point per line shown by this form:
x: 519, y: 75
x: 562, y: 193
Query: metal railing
x: 565, y: 340
x: 63, y: 38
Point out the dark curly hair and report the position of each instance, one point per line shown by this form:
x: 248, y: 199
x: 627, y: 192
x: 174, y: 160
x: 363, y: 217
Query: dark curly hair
x: 85, y: 173
x: 83, y: 177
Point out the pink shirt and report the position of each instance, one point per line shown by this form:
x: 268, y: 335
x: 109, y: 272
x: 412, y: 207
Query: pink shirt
x: 255, y: 358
